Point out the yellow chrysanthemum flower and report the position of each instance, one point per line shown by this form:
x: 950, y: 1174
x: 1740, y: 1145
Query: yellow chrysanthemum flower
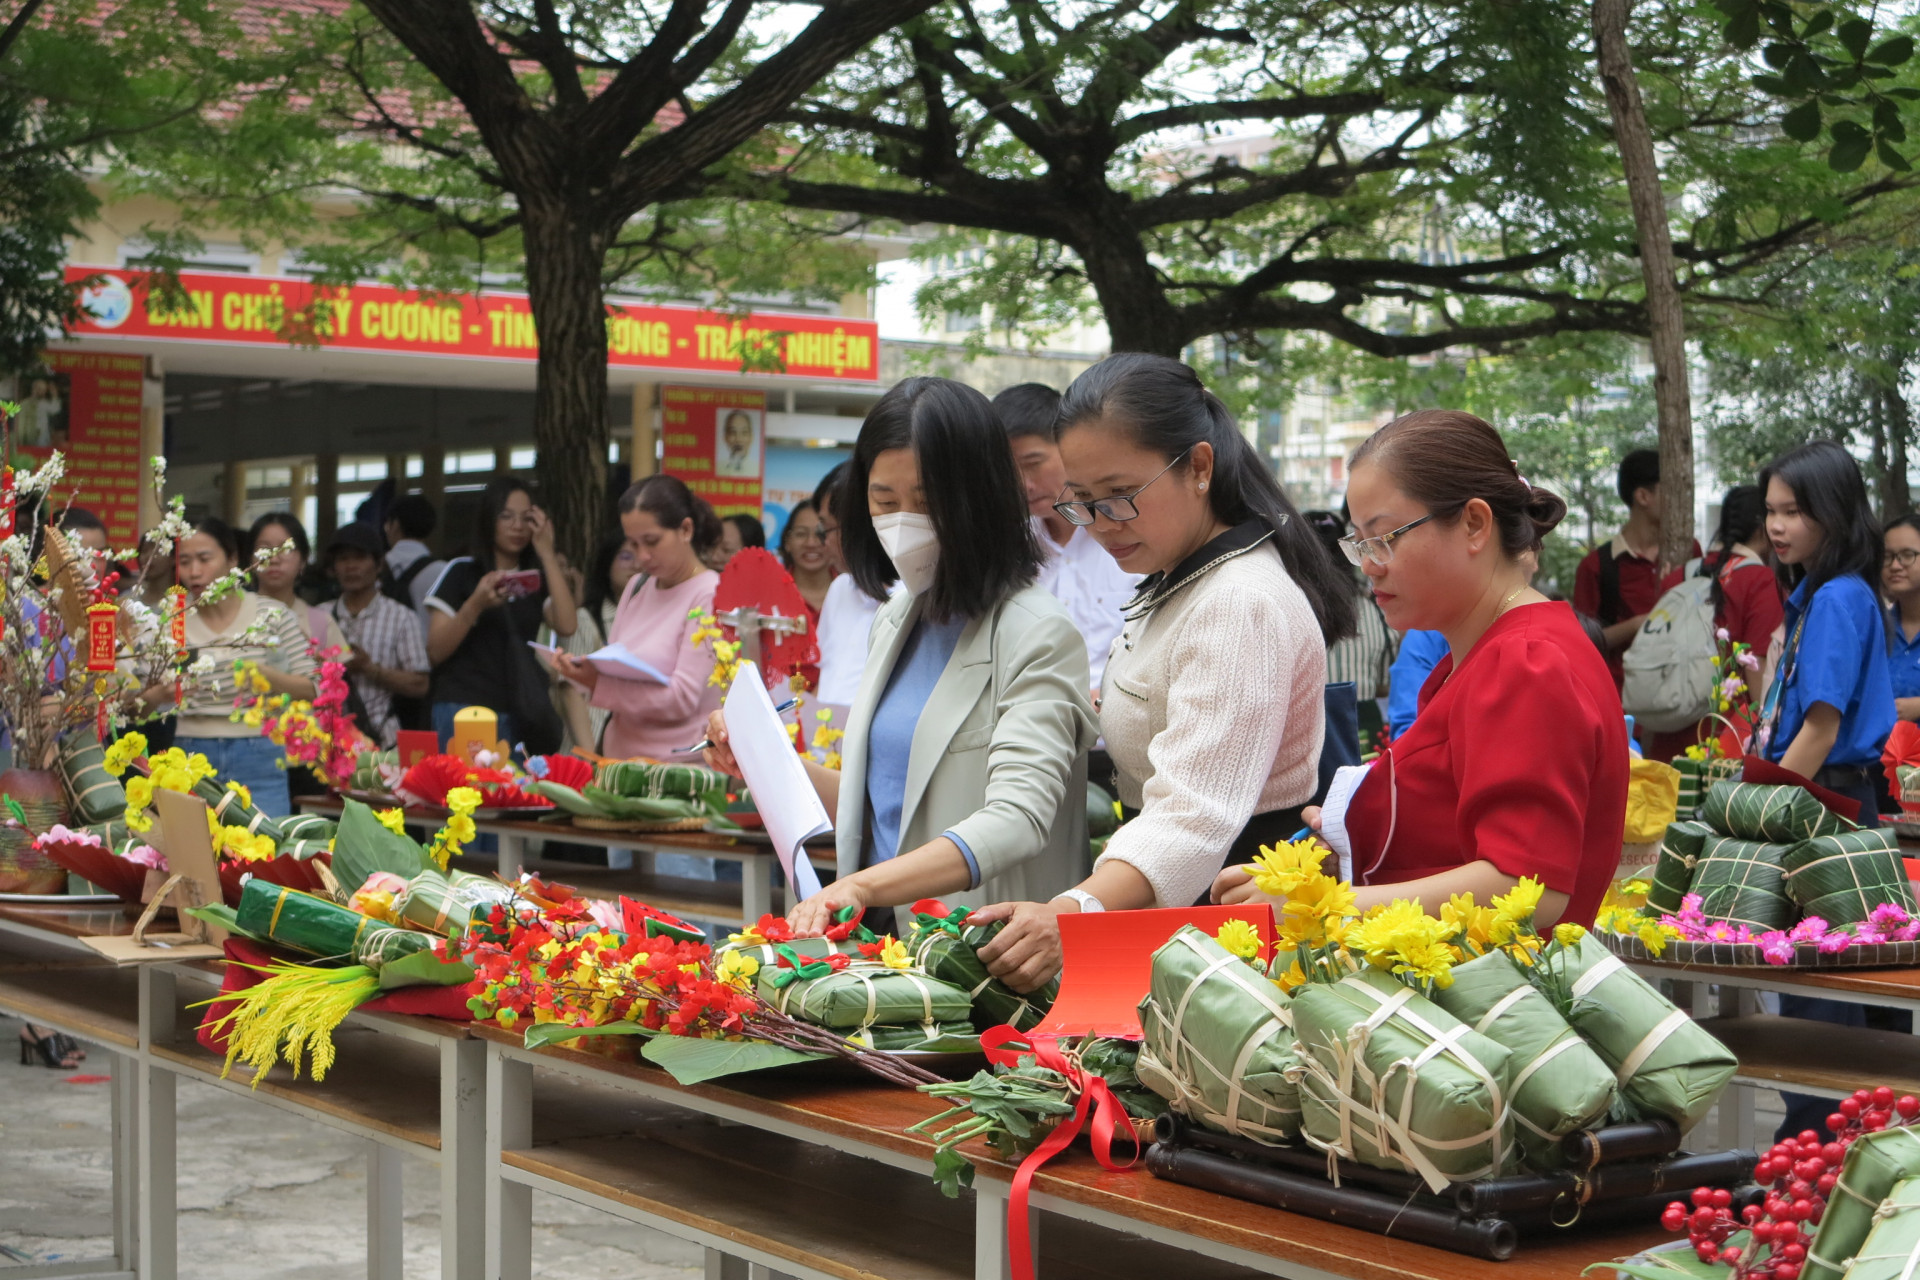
x: 1240, y: 938
x: 1517, y: 906
x: 1317, y: 910
x: 1568, y: 934
x: 894, y: 954
x: 1287, y: 982
x: 240, y: 791
x: 1279, y: 869
x: 393, y: 820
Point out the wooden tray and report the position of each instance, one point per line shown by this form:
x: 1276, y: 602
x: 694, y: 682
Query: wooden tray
x: 1744, y: 955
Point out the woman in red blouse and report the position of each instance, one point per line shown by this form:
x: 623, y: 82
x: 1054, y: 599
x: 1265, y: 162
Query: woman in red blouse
x: 1517, y: 763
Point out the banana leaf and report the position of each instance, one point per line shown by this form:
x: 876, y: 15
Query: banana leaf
x: 1696, y: 776
x: 1842, y: 878
x: 641, y: 808
x: 927, y: 1037
x: 1366, y: 1043
x: 303, y: 921
x: 1673, y: 873
x: 1218, y: 1041
x: 1744, y: 883
x: 862, y: 995
x: 695, y: 784
x: 424, y: 969
x: 229, y: 810
x: 1876, y: 1163
x: 362, y: 846
x: 1664, y: 1062
x: 1776, y: 815
x: 379, y: 947
x: 1892, y: 1248
x: 97, y: 795
x: 952, y: 957
x: 1559, y: 1082
x: 805, y: 948
x: 566, y: 797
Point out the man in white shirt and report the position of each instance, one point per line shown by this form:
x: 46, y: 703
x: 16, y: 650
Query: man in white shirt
x: 410, y: 564
x: 1078, y: 571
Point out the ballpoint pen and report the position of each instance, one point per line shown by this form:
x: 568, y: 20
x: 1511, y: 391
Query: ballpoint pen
x: 704, y: 743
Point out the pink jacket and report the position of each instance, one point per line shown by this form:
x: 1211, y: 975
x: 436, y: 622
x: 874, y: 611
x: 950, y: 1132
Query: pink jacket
x: 656, y: 626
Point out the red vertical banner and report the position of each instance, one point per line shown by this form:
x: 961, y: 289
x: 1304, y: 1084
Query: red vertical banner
x: 98, y: 429
x: 715, y: 439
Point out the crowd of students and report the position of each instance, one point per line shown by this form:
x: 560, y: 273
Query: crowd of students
x: 1011, y: 596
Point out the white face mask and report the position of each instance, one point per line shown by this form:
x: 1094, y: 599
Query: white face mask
x: 911, y: 544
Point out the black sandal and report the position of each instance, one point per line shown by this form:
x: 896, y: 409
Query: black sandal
x: 56, y: 1051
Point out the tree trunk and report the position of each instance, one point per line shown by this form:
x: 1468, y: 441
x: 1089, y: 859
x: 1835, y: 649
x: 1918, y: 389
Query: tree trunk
x: 1664, y: 319
x: 1877, y: 440
x: 1896, y: 499
x: 570, y: 406
x: 1138, y: 315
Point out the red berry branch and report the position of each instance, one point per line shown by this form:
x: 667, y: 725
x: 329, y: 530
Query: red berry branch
x: 1799, y: 1175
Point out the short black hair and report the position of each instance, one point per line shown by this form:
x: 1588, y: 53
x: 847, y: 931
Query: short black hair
x: 221, y: 532
x: 988, y: 550
x: 1029, y: 409
x: 828, y: 493
x: 1638, y: 470
x: 752, y: 532
x: 668, y: 500
x: 74, y: 519
x: 415, y: 516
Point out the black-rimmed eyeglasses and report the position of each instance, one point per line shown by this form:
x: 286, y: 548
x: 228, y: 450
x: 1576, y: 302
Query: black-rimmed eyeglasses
x: 1120, y: 507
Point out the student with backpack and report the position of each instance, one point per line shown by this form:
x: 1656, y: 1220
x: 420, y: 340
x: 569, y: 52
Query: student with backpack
x: 411, y: 568
x: 1669, y: 670
x: 1619, y: 581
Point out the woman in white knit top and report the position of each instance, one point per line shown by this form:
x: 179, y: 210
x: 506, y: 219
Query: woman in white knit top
x: 1212, y: 703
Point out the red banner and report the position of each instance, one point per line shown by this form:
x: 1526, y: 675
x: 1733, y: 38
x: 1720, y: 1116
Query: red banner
x: 715, y: 439
x: 98, y: 429
x: 265, y: 310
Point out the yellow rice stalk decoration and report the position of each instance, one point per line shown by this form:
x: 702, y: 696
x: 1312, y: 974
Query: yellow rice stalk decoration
x: 290, y: 1014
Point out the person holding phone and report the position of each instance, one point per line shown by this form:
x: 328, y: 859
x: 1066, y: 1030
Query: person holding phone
x: 484, y: 609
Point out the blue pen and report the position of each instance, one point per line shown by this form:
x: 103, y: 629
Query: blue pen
x: 1301, y: 834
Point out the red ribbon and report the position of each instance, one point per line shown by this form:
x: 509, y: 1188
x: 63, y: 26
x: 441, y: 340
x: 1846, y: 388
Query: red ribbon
x: 1095, y: 1100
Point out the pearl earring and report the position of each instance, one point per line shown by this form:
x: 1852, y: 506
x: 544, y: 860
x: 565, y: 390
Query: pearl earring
x: 1203, y: 486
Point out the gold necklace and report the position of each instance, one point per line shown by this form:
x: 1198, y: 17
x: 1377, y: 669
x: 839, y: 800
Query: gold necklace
x: 1511, y: 597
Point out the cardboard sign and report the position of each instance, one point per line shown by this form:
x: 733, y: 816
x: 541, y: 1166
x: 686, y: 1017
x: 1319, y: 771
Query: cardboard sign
x: 188, y: 844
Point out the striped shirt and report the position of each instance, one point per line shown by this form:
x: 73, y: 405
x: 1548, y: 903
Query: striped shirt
x: 389, y: 634
x: 1364, y: 656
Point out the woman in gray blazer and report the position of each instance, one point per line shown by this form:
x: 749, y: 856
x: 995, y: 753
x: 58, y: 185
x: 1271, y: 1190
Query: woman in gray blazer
x: 965, y: 757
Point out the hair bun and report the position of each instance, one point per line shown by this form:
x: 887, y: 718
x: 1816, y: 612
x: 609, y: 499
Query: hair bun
x: 1546, y: 509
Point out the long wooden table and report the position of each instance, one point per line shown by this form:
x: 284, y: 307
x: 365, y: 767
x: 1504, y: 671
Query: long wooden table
x: 814, y: 1176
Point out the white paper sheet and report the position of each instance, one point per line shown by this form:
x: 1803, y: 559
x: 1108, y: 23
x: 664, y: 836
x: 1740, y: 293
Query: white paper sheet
x: 611, y: 660
x: 781, y: 790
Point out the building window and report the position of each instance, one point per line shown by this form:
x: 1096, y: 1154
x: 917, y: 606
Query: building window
x: 963, y: 321
x: 522, y: 458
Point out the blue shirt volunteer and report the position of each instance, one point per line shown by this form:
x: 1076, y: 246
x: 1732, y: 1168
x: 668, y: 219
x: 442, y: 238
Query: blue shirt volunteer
x: 1840, y: 659
x: 1905, y: 660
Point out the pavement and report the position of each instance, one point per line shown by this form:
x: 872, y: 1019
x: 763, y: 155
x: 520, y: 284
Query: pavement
x: 264, y: 1195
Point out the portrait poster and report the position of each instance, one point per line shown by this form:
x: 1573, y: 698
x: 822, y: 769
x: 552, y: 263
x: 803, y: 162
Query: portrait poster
x: 714, y: 438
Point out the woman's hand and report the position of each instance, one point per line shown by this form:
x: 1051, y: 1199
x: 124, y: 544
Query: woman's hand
x: 719, y: 756
x: 542, y: 528
x: 1235, y: 885
x: 1027, y: 952
x: 816, y: 915
x: 1311, y: 816
x: 486, y: 592
x: 578, y: 670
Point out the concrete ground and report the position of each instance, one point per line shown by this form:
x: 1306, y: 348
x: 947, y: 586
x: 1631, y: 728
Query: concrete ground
x: 263, y: 1195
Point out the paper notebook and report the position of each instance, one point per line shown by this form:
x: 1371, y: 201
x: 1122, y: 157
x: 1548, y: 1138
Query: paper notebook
x: 777, y: 780
x: 614, y: 660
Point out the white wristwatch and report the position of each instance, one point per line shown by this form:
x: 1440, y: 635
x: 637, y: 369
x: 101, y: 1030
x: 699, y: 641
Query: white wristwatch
x: 1086, y: 900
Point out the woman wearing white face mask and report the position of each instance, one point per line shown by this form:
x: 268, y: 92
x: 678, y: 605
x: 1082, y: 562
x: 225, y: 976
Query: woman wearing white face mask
x: 966, y: 749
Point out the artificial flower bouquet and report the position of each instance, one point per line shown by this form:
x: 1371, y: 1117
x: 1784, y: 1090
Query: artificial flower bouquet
x: 1771, y: 875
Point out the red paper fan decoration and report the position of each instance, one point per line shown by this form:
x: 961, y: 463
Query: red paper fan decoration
x: 431, y: 779
x: 569, y: 771
x: 755, y: 579
x: 97, y: 864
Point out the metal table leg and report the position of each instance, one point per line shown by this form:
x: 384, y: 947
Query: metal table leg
x: 509, y: 1205
x: 463, y: 1150
x: 385, y: 1215
x: 126, y: 1157
x: 157, y: 1204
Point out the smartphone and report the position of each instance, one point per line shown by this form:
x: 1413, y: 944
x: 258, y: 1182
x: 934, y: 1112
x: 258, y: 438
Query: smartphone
x: 517, y: 584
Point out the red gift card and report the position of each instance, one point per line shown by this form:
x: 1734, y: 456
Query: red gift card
x: 416, y: 745
x: 1106, y: 960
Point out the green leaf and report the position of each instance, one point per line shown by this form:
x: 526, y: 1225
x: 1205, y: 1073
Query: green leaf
x: 1804, y: 75
x: 690, y: 1061
x: 1892, y: 158
x: 542, y: 1034
x: 1743, y: 29
x: 1849, y: 152
x: 1855, y: 33
x: 226, y: 918
x: 424, y: 969
x: 1892, y: 53
x: 1669, y: 1262
x: 1802, y: 124
x: 951, y: 1171
x: 362, y: 846
x: 1818, y: 23
x: 1770, y: 84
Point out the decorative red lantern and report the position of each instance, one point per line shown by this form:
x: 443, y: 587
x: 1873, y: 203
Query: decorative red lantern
x: 101, y: 622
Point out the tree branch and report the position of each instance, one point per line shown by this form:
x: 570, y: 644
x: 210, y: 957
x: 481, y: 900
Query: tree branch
x: 17, y: 24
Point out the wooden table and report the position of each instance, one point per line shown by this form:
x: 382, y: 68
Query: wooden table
x: 1774, y: 1051
x: 813, y: 1175
x: 629, y: 866
x: 865, y: 1121
x: 402, y: 1083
